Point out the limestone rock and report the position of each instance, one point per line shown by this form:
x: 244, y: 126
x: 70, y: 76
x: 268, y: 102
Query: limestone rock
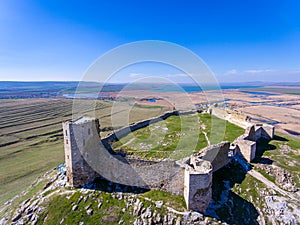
x: 195, y: 216
x: 88, y: 206
x: 159, y: 204
x: 79, y: 199
x: 85, y: 198
x: 178, y: 221
x: 16, y: 216
x: 137, y: 222
x: 137, y: 207
x: 89, y: 212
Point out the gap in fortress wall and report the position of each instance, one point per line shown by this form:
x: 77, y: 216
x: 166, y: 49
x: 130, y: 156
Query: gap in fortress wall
x: 190, y: 177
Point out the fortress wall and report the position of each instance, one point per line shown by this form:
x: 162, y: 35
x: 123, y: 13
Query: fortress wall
x: 118, y: 134
x: 217, y: 155
x: 246, y: 143
x: 187, y: 112
x: 83, y: 138
x: 173, y: 184
x: 234, y: 117
x: 191, y: 176
x: 165, y: 175
x: 261, y: 130
x: 220, y: 113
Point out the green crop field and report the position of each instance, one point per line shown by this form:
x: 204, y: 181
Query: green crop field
x: 31, y: 135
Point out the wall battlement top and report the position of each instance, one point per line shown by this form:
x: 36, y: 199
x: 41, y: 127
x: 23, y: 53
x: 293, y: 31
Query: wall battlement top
x: 81, y: 120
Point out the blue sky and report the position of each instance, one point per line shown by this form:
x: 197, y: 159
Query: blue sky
x: 239, y: 40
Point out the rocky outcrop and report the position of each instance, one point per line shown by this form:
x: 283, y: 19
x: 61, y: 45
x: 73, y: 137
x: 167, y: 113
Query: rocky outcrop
x: 278, y: 211
x: 144, y: 210
x: 283, y: 178
x: 29, y: 210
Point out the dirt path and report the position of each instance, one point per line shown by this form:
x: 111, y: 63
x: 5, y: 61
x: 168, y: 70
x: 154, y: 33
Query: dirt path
x: 203, y: 127
x: 205, y: 135
x: 127, y: 143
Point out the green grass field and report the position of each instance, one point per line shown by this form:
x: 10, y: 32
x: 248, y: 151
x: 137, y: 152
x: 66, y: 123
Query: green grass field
x: 31, y: 135
x: 177, y: 137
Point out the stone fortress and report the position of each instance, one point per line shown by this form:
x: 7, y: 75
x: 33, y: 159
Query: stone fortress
x: 190, y: 177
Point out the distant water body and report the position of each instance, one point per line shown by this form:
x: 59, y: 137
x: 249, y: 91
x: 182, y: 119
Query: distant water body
x: 186, y: 88
x: 259, y: 93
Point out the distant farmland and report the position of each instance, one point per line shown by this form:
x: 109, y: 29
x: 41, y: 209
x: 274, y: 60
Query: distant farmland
x: 31, y: 139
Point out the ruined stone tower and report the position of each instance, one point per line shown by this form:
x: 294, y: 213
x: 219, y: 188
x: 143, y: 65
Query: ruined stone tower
x: 77, y: 136
x: 246, y: 144
x: 197, y: 184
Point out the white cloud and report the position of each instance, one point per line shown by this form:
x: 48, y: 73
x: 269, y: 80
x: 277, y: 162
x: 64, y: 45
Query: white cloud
x: 231, y: 72
x: 136, y: 75
x: 258, y: 71
x: 251, y: 71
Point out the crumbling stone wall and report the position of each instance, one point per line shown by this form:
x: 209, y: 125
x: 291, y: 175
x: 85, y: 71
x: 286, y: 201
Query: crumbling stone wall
x: 232, y: 116
x: 250, y: 133
x: 217, y: 155
x: 122, y: 132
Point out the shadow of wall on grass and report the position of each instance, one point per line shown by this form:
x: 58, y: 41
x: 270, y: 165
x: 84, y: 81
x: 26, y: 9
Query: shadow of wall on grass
x: 102, y: 184
x: 262, y: 146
